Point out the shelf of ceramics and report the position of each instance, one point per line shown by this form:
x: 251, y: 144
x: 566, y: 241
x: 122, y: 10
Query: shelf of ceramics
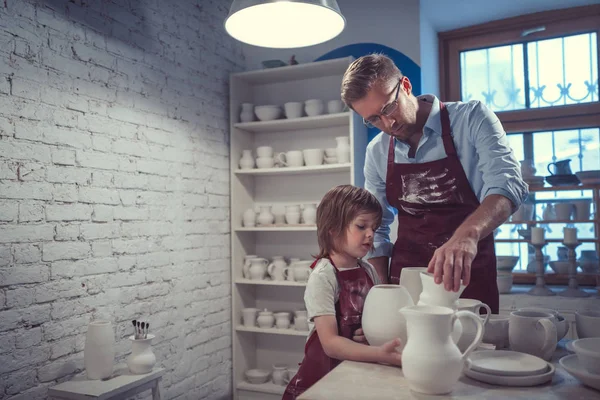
x: 295, y: 72
x: 294, y: 124
x: 274, y: 331
x: 590, y: 240
x: 269, y: 283
x: 563, y: 188
x: 268, y: 387
x: 553, y: 221
x: 295, y: 170
x: 277, y: 228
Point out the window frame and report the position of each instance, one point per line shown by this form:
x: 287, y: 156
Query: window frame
x: 558, y: 23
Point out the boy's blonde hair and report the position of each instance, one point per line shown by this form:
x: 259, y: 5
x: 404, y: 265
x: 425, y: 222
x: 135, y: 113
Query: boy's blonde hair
x: 336, y: 211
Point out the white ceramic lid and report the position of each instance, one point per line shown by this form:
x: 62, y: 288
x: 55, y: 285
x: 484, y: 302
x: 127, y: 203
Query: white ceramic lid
x: 507, y: 363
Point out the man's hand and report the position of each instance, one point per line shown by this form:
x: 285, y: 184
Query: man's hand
x: 452, y: 262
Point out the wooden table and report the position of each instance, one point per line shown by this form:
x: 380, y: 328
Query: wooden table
x: 356, y: 380
x: 121, y: 385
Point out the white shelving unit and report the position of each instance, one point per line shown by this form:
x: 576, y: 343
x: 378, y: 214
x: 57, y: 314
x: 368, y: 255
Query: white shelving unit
x: 255, y: 347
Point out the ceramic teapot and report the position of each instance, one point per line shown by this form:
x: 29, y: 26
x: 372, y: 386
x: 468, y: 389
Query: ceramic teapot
x: 300, y: 270
x: 380, y: 320
x: 431, y: 361
x: 256, y: 268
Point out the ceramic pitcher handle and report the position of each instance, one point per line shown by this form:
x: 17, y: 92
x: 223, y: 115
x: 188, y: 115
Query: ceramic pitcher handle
x: 548, y: 167
x: 489, y: 312
x: 478, y: 335
x: 550, y: 336
x: 246, y: 269
x: 270, y: 269
x: 282, y: 159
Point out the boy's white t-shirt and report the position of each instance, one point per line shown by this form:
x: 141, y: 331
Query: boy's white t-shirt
x: 322, y: 289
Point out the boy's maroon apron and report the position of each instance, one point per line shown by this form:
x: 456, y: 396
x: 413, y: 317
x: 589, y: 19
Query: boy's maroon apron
x: 432, y: 200
x: 354, y: 284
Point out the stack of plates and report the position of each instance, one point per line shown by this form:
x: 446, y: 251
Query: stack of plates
x: 589, y: 177
x: 573, y: 366
x: 562, y: 180
x: 508, y: 368
x: 534, y: 181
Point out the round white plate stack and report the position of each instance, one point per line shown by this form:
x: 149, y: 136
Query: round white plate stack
x: 508, y: 368
x: 585, y: 363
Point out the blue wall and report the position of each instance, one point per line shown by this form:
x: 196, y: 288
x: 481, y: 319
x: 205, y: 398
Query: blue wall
x: 408, y: 67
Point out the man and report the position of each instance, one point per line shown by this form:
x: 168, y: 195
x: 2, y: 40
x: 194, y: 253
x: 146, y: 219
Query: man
x: 447, y: 169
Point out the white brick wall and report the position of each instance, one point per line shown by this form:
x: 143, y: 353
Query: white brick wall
x: 114, y: 116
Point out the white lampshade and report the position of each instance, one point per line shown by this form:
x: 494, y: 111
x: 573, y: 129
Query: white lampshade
x: 284, y: 23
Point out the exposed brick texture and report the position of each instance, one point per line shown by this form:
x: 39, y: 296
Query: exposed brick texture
x: 114, y: 187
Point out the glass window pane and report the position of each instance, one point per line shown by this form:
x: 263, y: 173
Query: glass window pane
x: 563, y: 70
x: 494, y: 76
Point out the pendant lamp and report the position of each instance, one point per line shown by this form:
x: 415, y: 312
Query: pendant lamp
x: 284, y: 23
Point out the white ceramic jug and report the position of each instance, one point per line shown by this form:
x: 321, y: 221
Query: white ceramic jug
x: 247, y: 161
x: 301, y: 270
x: 99, y: 350
x: 258, y: 268
x: 437, y: 295
x: 142, y: 358
x: 431, y: 362
x: 343, y: 149
x: 277, y: 270
x: 381, y: 321
x: 410, y: 278
x: 247, y: 113
x: 469, y: 330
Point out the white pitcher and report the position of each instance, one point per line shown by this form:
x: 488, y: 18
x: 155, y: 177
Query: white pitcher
x: 380, y: 320
x: 277, y: 269
x: 258, y: 268
x: 431, y: 362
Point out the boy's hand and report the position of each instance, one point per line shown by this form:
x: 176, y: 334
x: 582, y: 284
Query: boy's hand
x: 390, y: 354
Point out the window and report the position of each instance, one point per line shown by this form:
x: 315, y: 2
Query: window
x: 539, y: 73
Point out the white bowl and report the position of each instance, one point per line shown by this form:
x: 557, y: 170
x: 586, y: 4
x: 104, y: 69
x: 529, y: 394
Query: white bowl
x: 293, y: 109
x: 588, y: 353
x: 314, y: 107
x: 267, y: 113
x: 560, y: 267
x: 587, y: 323
x: 257, y: 376
x: 505, y: 282
x: 506, y: 263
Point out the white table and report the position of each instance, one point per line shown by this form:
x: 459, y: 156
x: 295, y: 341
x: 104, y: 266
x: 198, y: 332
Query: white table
x: 122, y: 385
x: 356, y: 380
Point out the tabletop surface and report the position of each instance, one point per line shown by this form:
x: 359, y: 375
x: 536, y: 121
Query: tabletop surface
x: 357, y: 380
x: 121, y: 381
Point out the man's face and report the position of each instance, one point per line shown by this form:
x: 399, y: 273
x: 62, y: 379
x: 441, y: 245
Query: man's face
x: 394, y: 116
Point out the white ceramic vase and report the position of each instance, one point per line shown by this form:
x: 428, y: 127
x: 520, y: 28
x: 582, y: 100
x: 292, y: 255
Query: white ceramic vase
x: 142, y: 359
x: 309, y: 214
x: 247, y: 161
x: 381, y: 321
x: 343, y: 149
x: 431, y: 362
x: 99, y: 351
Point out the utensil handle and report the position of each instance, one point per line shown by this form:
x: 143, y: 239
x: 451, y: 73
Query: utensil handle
x: 489, y: 312
x: 478, y: 336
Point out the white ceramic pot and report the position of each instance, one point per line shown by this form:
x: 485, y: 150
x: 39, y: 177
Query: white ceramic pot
x: 335, y: 106
x: 343, y: 149
x: 265, y: 162
x: 246, y: 266
x: 258, y: 268
x: 532, y: 332
x: 249, y: 316
x: 381, y: 321
x: 265, y: 217
x: 99, y: 351
x: 247, y: 114
x: 410, y: 278
x: 279, y: 376
x: 309, y: 214
x: 247, y: 161
x: 142, y: 359
x: 249, y: 218
x: 278, y: 211
x: 277, y: 269
x: 301, y: 270
x: 314, y: 107
x: 265, y: 319
x: 431, y: 362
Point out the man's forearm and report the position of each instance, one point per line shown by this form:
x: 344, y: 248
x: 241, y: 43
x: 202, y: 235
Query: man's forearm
x: 381, y: 266
x: 491, y: 213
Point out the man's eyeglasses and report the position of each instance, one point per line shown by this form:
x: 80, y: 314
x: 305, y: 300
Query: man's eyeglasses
x: 387, y: 110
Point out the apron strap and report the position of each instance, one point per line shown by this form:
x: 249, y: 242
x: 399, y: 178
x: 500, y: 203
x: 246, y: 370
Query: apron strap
x: 446, y: 131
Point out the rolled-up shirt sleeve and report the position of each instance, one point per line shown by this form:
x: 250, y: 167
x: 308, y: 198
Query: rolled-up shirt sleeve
x: 497, y: 162
x: 375, y: 183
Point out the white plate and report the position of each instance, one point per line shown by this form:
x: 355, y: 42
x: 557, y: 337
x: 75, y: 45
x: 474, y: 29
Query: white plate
x: 507, y: 363
x: 532, y: 380
x: 571, y: 364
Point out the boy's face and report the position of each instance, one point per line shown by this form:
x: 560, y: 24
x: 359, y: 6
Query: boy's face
x: 359, y: 236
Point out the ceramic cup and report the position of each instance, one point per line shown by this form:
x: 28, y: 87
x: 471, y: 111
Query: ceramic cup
x: 587, y: 323
x: 249, y: 316
x: 313, y: 156
x: 265, y: 162
x: 496, y: 331
x: 264, y: 151
x: 293, y: 158
x: 293, y: 109
x: 532, y: 332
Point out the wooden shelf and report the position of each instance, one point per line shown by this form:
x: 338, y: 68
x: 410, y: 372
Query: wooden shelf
x: 295, y: 72
x: 295, y: 170
x: 553, y: 221
x: 267, y: 387
x: 243, y: 281
x: 273, y: 331
x: 278, y: 228
x: 591, y: 240
x: 294, y: 124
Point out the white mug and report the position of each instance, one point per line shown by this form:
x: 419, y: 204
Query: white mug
x: 293, y: 158
x: 313, y: 156
x: 265, y: 162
